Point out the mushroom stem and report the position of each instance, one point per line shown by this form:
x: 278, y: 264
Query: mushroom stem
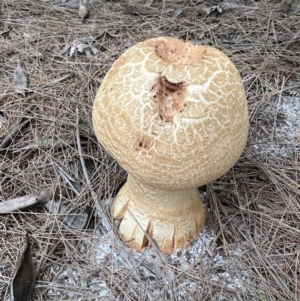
x: 172, y: 217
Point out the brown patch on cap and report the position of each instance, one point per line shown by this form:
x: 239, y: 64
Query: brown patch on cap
x: 179, y: 52
x: 144, y: 143
x: 170, y: 98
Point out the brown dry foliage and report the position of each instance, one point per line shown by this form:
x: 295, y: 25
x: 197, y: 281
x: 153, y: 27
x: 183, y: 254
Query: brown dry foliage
x: 254, y: 207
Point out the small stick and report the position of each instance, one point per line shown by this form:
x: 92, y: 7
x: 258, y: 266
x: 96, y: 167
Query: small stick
x: 25, y: 201
x: 57, y: 81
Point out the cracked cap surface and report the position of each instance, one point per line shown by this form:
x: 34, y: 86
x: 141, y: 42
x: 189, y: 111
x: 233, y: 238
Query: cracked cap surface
x: 172, y: 114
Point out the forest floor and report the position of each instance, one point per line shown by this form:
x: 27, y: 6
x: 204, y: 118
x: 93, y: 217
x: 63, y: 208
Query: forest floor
x: 250, y: 246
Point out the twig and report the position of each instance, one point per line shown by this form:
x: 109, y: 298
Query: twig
x: 100, y: 211
x: 58, y: 81
x: 26, y: 201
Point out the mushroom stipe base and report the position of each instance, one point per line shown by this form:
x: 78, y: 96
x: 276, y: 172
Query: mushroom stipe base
x: 173, y: 218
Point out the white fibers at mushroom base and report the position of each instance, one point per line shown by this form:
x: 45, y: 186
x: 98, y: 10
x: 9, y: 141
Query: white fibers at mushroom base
x: 187, y: 275
x: 175, y: 116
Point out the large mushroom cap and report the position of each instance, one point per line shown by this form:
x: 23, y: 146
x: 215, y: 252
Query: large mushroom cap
x: 172, y: 113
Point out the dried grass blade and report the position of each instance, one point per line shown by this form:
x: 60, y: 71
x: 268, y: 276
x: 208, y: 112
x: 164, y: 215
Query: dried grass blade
x: 105, y: 221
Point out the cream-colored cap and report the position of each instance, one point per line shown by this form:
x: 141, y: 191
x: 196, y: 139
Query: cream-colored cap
x: 172, y: 114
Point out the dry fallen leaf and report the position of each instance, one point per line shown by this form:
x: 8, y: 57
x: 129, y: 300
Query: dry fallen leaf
x: 78, y: 219
x: 79, y: 47
x: 83, y: 10
x: 72, y: 218
x: 35, y: 52
x: 177, y: 12
x: 3, y: 120
x: 23, y: 281
x: 225, y: 6
x: 20, y: 80
x: 149, y: 3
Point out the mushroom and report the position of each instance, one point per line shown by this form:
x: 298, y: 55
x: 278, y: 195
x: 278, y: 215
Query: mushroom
x: 175, y: 116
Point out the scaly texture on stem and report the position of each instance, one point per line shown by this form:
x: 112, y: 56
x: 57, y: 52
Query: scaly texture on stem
x: 172, y: 217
